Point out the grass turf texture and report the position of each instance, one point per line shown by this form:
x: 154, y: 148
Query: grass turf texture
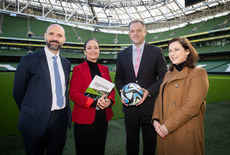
x: 219, y: 90
x: 216, y: 129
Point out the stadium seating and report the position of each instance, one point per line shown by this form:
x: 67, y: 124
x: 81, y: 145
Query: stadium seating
x: 214, y: 66
x: 212, y: 24
x: 207, y: 49
x: 10, y: 27
x: 224, y: 48
x: 14, y: 27
x: 72, y: 54
x: 13, y: 52
x: 124, y: 39
x: 18, y: 27
x: 38, y: 28
x: 105, y: 38
x: 83, y: 34
x: 150, y: 37
x: 108, y: 56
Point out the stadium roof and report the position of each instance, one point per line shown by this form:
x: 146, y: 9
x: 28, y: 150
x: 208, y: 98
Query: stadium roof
x: 114, y: 15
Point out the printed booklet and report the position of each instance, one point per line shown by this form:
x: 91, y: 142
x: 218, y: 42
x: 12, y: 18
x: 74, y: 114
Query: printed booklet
x: 98, y: 87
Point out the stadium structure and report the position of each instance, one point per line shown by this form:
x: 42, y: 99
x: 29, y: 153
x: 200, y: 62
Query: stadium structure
x: 206, y: 23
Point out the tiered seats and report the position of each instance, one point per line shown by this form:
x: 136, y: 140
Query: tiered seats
x: 214, y: 65
x: 72, y: 54
x: 84, y: 34
x: 14, y: 27
x: 38, y: 28
x: 124, y: 39
x: 225, y: 48
x: 108, y: 56
x: 188, y: 29
x: 70, y: 35
x: 7, y: 52
x: 192, y: 28
x: 10, y: 27
x: 206, y: 49
x: 105, y: 38
x: 151, y: 37
x: 18, y: 27
x: 165, y: 52
x: 67, y: 54
x: 212, y: 24
x: 222, y: 68
x: 166, y: 35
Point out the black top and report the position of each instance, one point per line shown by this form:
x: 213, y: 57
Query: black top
x: 180, y: 67
x: 94, y: 70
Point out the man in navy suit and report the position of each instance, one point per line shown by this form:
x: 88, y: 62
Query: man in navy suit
x: 42, y: 121
x: 149, y: 76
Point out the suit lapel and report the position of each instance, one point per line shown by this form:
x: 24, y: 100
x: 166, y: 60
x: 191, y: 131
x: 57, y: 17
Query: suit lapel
x: 65, y: 68
x: 44, y: 66
x: 101, y: 71
x: 130, y: 59
x: 144, y: 57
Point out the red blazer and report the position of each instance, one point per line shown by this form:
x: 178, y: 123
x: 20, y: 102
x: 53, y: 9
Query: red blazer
x: 83, y: 113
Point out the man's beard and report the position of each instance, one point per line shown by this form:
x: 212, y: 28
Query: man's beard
x: 52, y: 47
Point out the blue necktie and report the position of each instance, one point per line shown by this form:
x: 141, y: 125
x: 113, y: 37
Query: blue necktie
x: 57, y: 83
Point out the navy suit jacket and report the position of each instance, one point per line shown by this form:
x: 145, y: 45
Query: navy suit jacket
x: 33, y: 94
x: 150, y: 75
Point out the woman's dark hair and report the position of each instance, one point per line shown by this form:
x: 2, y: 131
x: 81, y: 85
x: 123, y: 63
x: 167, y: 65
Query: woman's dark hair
x: 192, y: 58
x: 90, y: 40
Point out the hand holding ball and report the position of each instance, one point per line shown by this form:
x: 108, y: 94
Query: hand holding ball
x: 131, y: 94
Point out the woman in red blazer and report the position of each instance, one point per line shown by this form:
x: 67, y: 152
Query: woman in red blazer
x: 90, y: 125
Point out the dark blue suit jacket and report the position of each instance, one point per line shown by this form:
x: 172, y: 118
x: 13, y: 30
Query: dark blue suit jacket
x: 150, y: 75
x: 33, y: 94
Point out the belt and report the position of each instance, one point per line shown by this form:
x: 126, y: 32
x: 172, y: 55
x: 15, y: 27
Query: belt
x: 57, y: 111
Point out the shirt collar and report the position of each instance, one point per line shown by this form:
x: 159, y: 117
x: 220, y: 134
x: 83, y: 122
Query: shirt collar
x: 141, y: 47
x: 49, y: 54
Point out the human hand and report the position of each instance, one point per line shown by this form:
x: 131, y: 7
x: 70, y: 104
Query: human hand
x: 164, y: 130
x: 145, y: 94
x: 158, y: 129
x: 108, y: 101
x: 103, y: 102
x: 123, y: 101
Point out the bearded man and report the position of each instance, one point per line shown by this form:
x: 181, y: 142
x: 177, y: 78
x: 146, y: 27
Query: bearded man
x: 41, y: 94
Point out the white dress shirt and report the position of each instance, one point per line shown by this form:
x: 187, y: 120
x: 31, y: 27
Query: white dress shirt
x: 49, y: 58
x: 135, y: 53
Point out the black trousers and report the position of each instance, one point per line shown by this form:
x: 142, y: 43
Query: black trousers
x: 90, y: 139
x: 53, y: 140
x: 133, y: 123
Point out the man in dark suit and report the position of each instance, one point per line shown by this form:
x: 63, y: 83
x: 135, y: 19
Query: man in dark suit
x: 145, y: 65
x: 44, y: 110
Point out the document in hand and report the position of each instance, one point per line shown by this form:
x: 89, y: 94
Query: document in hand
x: 98, y: 87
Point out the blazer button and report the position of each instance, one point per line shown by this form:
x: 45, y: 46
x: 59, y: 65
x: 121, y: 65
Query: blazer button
x: 136, y: 81
x: 176, y: 85
x: 174, y: 103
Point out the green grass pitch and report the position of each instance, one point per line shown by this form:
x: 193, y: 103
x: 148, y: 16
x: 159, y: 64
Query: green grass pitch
x: 219, y: 88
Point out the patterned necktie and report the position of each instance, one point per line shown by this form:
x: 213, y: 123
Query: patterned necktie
x: 137, y: 62
x: 57, y: 82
